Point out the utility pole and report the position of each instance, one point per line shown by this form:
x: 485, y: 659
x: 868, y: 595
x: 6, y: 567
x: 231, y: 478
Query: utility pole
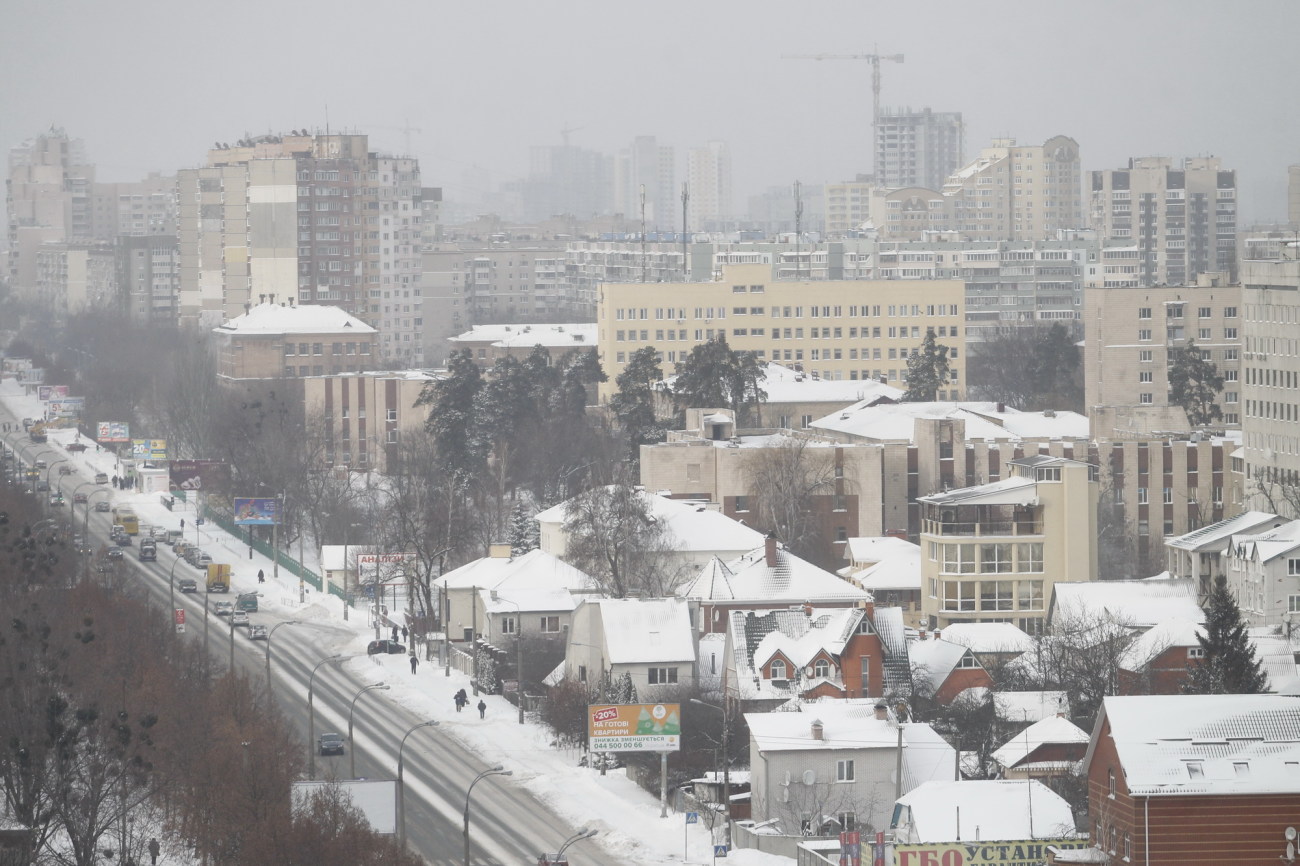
x: 874, y: 59
x: 644, y: 261
x: 686, y: 268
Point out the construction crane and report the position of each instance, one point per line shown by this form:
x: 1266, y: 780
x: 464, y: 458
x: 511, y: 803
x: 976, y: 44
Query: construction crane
x: 874, y: 59
x: 564, y: 133
x: 406, y: 131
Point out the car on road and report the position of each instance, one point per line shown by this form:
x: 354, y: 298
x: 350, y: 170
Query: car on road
x: 257, y: 632
x: 65, y: 470
x: 42, y: 486
x: 115, y: 553
x: 187, y: 584
x: 101, y: 477
x: 202, y: 560
x: 78, y: 498
x: 239, y: 617
x: 101, y: 505
x: 384, y: 647
x: 122, y: 539
x: 223, y: 608
x: 57, y: 499
x: 41, y: 464
x: 77, y: 446
x: 330, y: 744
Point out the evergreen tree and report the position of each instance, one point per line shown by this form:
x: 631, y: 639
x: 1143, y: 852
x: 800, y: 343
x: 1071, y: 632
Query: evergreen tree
x: 716, y: 376
x: 927, y: 371
x: 1194, y: 383
x: 633, y: 403
x: 1030, y: 367
x: 451, y: 415
x: 487, y: 672
x: 1229, y: 665
x: 524, y: 532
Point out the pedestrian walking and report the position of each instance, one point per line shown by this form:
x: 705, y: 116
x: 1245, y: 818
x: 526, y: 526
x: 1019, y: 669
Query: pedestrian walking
x: 415, y: 663
x: 114, y: 481
x: 482, y: 708
x: 261, y: 576
x: 405, y: 632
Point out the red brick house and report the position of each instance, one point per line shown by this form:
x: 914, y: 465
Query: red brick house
x: 1193, y: 779
x: 941, y: 670
x: 1157, y: 661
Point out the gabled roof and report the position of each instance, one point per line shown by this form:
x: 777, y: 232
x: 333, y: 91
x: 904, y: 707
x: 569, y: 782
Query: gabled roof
x: 641, y: 630
x: 1049, y: 731
x: 896, y: 422
x: 1171, y: 745
x: 1130, y: 603
x: 791, y: 581
x: 989, y: 637
x: 713, y: 583
x: 1265, y: 546
x: 692, y: 527
x: 1176, y: 631
x: 270, y: 319
x: 523, y: 599
x: 989, y: 810
x: 1216, y: 535
x: 896, y: 564
x: 567, y: 336
x: 932, y: 662
x: 536, y: 569
x: 825, y: 631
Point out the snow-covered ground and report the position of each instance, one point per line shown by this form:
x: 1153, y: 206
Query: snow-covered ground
x: 626, y: 816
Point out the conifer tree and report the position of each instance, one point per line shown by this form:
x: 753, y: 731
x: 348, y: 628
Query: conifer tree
x: 1194, y: 383
x: 524, y: 533
x: 1229, y: 665
x: 927, y: 371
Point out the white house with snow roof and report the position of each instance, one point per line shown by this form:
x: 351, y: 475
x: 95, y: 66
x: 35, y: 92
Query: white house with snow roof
x: 272, y: 341
x: 650, y: 640
x: 985, y: 811
x: 762, y: 578
x: 696, y: 532
x: 804, y: 653
x: 1132, y: 604
x: 1200, y: 555
x: 534, y: 579
x: 1050, y: 747
x: 1263, y: 571
x: 889, y: 568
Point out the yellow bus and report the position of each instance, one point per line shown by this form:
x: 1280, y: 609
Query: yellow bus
x: 124, y: 516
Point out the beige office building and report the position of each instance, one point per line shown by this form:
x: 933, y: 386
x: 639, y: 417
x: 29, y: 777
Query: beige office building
x: 1129, y: 333
x: 1271, y: 382
x: 849, y: 329
x: 364, y: 417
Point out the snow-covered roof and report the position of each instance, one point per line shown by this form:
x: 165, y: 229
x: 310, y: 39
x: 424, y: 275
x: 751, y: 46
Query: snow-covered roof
x: 270, y: 319
x: 749, y: 578
x: 1015, y: 490
x: 536, y: 569
x: 989, y: 637
x: 1130, y: 603
x: 1176, y: 631
x: 989, y: 810
x: 1277, y: 659
x: 524, y: 599
x: 1019, y: 706
x: 1051, y: 730
x: 566, y: 336
x: 896, y: 422
x: 639, y: 630
x: 932, y: 661
x: 827, y: 631
x: 895, y: 564
x: 1264, y: 546
x: 784, y: 385
x: 1170, y: 745
x: 1216, y: 535
x: 693, y: 527
x: 878, y: 548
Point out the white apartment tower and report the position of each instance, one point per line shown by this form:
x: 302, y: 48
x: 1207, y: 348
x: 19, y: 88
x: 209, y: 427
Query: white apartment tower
x: 917, y: 148
x: 48, y: 194
x: 650, y: 166
x: 708, y: 173
x: 1183, y: 220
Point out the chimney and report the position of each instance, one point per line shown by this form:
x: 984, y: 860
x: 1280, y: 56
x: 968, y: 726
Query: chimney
x: 769, y: 550
x: 499, y: 551
x: 808, y: 609
x: 869, y: 608
x: 882, y: 712
x: 817, y: 729
x: 936, y: 634
x: 1002, y: 407
x: 924, y: 635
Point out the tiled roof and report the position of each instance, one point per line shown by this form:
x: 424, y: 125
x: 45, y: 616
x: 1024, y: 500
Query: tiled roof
x: 1051, y: 730
x: 1218, y: 533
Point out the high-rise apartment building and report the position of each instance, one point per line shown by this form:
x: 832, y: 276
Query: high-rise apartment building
x: 147, y: 277
x: 1183, y: 220
x: 848, y: 205
x: 652, y: 167
x: 708, y: 174
x: 917, y: 148
x: 49, y: 194
x: 1270, y: 296
x: 1293, y: 195
x: 134, y: 209
x: 316, y: 218
x: 567, y: 180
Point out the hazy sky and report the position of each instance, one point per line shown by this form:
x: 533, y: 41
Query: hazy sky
x: 150, y: 85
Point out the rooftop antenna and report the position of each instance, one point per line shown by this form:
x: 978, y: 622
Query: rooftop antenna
x: 798, y: 231
x: 686, y: 197
x: 643, y: 254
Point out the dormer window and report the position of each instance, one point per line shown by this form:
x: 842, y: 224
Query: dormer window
x: 821, y: 668
x: 778, y: 669
x: 1195, y: 770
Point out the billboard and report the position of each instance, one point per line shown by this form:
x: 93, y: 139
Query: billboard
x: 206, y: 475
x: 67, y: 407
x: 47, y: 393
x: 149, y: 449
x: 257, y: 512
x: 385, y: 561
x: 113, y: 431
x: 634, y: 727
x: 1031, y: 852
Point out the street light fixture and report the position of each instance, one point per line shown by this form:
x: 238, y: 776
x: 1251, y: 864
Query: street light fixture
x: 498, y: 770
x: 48, y: 470
x: 270, y: 634
x: 401, y: 785
x: 171, y: 586
x: 352, y: 752
x: 311, y: 715
x: 584, y: 833
x: 726, y: 771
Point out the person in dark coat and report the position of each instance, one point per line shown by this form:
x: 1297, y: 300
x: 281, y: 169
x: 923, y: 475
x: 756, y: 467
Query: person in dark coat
x: 482, y: 708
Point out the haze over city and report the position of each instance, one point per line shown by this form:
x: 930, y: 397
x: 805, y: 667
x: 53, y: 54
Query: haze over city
x: 150, y: 86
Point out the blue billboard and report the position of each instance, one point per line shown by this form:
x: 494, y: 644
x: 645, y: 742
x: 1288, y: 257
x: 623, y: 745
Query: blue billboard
x: 257, y: 512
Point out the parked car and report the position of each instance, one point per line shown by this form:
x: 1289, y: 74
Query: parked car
x: 202, y: 560
x: 101, y: 477
x: 187, y: 584
x: 330, y: 744
x: 223, y: 608
x: 239, y: 617
x: 257, y: 632
x: 77, y: 446
x: 382, y: 647
x: 101, y: 505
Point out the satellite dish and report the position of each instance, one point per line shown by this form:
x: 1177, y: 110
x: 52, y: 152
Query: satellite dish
x: 809, y: 777
x: 1290, y: 834
x: 808, y: 671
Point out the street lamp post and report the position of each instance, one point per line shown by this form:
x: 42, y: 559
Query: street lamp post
x: 171, y: 588
x: 401, y: 785
x: 85, y: 525
x: 352, y: 752
x: 270, y: 634
x: 726, y: 771
x: 519, y: 656
x: 48, y: 470
x: 311, y: 715
x: 498, y: 770
x: 584, y: 833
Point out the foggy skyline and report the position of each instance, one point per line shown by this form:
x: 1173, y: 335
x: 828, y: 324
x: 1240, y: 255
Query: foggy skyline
x: 149, y: 86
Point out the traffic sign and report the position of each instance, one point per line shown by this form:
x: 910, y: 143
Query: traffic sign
x: 692, y: 817
x: 179, y: 618
x: 719, y: 851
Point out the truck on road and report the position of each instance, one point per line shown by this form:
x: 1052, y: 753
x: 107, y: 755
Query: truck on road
x: 218, y: 577
x: 125, y: 517
x: 148, y: 550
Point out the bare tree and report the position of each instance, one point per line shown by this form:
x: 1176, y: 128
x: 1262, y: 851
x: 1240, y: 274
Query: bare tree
x: 614, y: 536
x: 784, y: 482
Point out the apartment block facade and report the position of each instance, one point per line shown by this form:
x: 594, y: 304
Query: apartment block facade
x: 48, y: 197
x: 1130, y: 333
x: 838, y: 329
x: 917, y: 148
x: 1183, y: 220
x: 363, y: 417
x: 147, y: 277
x: 708, y: 178
x: 76, y: 276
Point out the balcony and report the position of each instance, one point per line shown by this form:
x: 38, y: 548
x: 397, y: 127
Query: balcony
x: 982, y: 529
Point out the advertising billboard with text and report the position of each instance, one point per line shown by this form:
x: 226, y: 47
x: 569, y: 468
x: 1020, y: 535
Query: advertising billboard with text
x: 113, y: 431
x: 257, y: 512
x: 1020, y: 853
x: 634, y: 727
x: 206, y: 475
